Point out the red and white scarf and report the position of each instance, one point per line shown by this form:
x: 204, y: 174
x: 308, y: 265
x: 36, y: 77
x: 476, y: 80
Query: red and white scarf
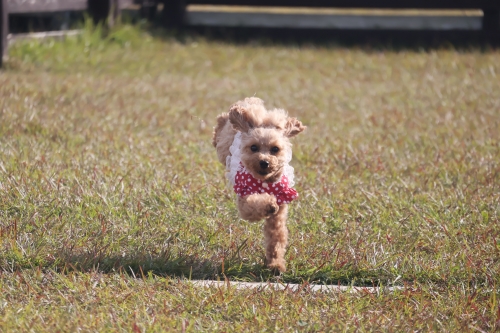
x: 246, y: 184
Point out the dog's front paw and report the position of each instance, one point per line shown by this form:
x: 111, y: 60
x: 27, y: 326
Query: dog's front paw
x: 257, y: 206
x: 272, y: 208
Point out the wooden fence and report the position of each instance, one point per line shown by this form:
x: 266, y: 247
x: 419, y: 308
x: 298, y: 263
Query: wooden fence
x: 99, y: 10
x: 175, y: 10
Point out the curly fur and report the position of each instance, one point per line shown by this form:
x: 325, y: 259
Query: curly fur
x: 269, y: 131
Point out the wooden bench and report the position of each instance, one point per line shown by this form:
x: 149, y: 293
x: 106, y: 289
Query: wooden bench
x: 99, y: 10
x: 175, y: 10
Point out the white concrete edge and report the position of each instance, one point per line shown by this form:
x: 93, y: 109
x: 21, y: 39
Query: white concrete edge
x: 294, y: 287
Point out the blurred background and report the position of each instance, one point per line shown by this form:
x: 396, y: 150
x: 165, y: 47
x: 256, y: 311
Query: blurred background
x: 464, y: 21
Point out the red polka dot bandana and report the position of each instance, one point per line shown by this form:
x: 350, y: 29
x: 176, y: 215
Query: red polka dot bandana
x: 245, y: 184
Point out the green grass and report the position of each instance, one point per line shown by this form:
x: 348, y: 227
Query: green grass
x: 111, y: 194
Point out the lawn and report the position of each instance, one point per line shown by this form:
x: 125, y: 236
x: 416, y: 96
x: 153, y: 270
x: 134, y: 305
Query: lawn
x: 111, y: 196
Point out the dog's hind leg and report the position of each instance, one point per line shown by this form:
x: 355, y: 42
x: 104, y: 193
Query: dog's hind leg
x: 276, y: 238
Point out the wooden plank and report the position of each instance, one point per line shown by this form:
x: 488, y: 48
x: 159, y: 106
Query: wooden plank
x: 337, y: 11
x: 4, y: 29
x: 41, y: 6
x: 12, y: 38
x: 319, y: 21
x: 395, y: 4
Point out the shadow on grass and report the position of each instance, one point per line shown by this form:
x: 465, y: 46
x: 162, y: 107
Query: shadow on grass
x: 193, y: 267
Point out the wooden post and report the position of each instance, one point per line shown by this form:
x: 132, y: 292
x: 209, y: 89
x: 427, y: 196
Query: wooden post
x: 148, y: 9
x: 174, y: 12
x: 4, y: 29
x: 491, y: 19
x: 99, y: 10
x: 110, y: 10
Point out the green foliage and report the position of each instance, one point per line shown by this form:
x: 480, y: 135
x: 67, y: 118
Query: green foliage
x: 111, y: 193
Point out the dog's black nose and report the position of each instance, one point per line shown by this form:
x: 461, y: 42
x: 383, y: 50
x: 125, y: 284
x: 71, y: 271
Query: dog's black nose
x: 264, y: 164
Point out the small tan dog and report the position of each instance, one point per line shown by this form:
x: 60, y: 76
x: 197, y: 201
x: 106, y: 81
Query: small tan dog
x: 253, y: 143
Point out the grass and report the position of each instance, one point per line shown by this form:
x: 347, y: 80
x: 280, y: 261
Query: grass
x: 111, y: 195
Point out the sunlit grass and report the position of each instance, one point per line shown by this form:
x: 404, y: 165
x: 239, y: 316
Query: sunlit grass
x: 108, y: 181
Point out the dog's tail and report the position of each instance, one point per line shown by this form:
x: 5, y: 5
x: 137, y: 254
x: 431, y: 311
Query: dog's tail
x: 221, y: 122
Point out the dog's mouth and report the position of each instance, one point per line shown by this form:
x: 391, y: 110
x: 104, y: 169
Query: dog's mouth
x: 270, y: 175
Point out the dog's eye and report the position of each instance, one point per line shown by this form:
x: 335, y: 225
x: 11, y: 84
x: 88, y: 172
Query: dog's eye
x: 254, y: 148
x: 274, y: 150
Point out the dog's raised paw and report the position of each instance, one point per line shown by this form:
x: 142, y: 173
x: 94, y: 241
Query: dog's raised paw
x: 272, y: 208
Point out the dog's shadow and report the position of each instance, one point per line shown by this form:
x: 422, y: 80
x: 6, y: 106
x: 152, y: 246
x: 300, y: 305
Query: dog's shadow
x: 163, y: 265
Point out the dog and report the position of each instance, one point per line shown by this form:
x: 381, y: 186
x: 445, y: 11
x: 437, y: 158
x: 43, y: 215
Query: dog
x: 253, y: 143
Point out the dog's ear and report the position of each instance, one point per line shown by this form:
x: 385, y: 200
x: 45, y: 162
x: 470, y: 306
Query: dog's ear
x: 293, y: 127
x: 241, y: 119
